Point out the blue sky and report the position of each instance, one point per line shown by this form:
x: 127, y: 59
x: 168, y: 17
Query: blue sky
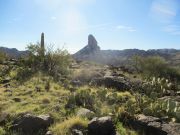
x: 116, y: 24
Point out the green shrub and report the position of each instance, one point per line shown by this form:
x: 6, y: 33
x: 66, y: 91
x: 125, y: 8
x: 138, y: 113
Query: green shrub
x: 2, y: 131
x: 123, y: 131
x: 82, y: 98
x: 155, y: 66
x: 55, y: 63
x: 3, y: 57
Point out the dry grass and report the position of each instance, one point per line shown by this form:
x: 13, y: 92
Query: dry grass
x: 66, y: 127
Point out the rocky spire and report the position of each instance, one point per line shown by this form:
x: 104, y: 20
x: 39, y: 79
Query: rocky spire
x: 91, y: 40
x: 90, y: 50
x: 92, y: 44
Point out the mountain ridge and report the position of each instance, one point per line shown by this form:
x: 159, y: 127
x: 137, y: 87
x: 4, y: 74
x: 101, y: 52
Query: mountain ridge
x: 13, y: 52
x: 116, y: 57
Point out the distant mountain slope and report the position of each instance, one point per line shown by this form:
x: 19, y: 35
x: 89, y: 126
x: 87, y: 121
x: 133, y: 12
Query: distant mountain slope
x: 13, y: 52
x: 92, y: 52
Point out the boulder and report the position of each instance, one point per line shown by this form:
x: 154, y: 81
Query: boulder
x: 85, y: 113
x: 8, y: 91
x: 153, y: 126
x: 30, y: 124
x: 112, y: 82
x: 77, y: 132
x: 76, y: 83
x: 101, y: 126
x: 3, y: 118
x: 49, y: 133
x: 171, y: 128
x: 4, y: 81
x: 16, y: 99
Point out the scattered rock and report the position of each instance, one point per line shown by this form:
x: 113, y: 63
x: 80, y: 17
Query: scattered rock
x: 86, y: 113
x: 49, y: 133
x: 77, y: 132
x: 3, y: 117
x: 28, y: 92
x: 153, y: 126
x: 37, y: 89
x: 10, y: 91
x: 7, y: 85
x: 16, y: 99
x: 76, y: 83
x: 112, y: 82
x: 5, y: 81
x: 172, y: 128
x: 30, y: 124
x: 101, y: 126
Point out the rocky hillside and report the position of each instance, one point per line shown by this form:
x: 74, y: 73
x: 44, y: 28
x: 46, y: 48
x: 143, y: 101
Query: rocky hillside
x: 13, y: 52
x: 92, y: 52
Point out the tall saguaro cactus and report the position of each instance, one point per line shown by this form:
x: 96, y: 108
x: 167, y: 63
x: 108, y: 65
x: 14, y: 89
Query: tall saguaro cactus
x: 42, y: 45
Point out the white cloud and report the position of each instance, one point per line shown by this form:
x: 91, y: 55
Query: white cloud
x: 164, y: 10
x: 172, y: 29
x: 126, y: 28
x: 53, y: 17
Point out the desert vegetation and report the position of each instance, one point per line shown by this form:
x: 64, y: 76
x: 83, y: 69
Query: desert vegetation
x: 49, y: 92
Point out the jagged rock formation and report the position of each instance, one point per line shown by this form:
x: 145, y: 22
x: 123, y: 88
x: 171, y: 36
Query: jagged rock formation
x: 89, y: 50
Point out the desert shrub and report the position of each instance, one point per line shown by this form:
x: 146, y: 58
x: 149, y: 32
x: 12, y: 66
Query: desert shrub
x: 55, y: 63
x: 124, y: 131
x: 81, y: 98
x: 155, y: 66
x: 158, y: 87
x: 5, y: 70
x: 162, y: 108
x: 47, y: 85
x: 118, y: 97
x: 151, y: 66
x: 3, y: 57
x: 66, y: 127
x: 85, y: 75
x: 24, y: 73
x: 2, y: 131
x: 45, y: 101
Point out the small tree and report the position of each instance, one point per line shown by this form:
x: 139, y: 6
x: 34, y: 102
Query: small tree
x: 55, y: 63
x: 151, y: 66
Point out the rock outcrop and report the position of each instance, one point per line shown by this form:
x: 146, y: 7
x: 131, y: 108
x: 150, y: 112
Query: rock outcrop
x: 85, y: 113
x: 153, y: 126
x: 120, y: 84
x: 101, y: 126
x: 30, y: 124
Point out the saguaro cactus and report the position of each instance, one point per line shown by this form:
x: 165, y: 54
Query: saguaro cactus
x: 42, y: 45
